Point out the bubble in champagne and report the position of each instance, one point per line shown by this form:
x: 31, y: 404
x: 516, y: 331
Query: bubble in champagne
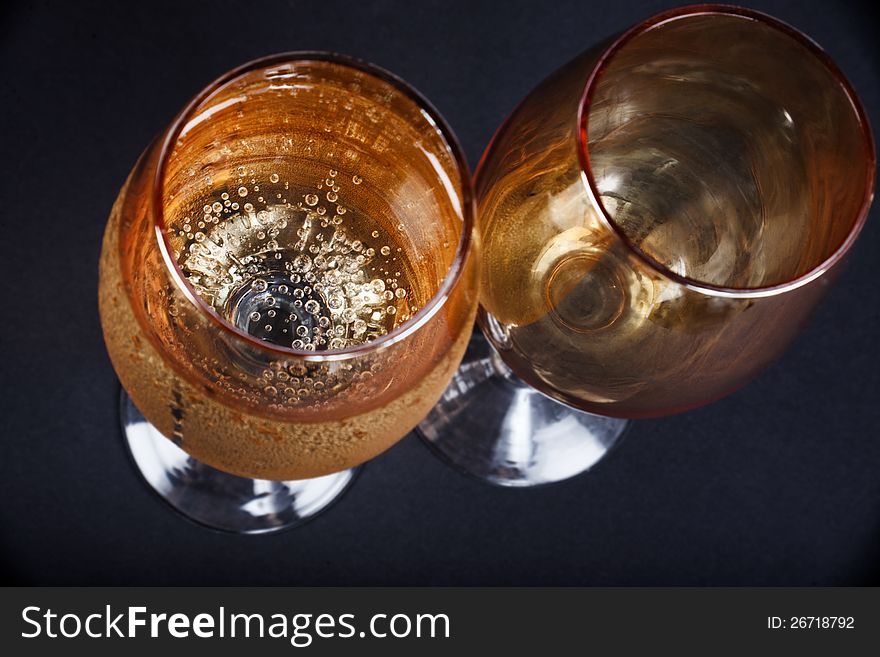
x: 302, y: 263
x: 295, y: 275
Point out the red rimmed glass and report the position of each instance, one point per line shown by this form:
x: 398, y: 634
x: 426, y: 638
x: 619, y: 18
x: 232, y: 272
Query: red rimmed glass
x: 659, y: 218
x: 288, y: 282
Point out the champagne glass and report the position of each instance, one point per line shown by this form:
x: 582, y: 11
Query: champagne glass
x: 287, y: 284
x: 659, y: 217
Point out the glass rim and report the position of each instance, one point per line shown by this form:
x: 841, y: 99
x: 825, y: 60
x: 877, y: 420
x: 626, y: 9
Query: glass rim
x: 823, y: 58
x: 468, y: 219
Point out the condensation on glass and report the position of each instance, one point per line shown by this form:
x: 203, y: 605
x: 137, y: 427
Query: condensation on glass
x: 236, y: 249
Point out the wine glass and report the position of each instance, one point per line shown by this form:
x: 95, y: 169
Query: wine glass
x: 658, y: 218
x: 287, y: 284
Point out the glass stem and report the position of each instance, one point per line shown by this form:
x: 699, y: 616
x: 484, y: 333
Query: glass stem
x: 498, y: 366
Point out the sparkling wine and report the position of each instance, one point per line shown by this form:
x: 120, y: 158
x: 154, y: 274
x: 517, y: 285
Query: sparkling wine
x: 292, y: 264
x: 311, y: 206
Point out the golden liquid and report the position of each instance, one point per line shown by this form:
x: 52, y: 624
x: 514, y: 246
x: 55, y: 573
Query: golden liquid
x: 296, y: 264
x: 311, y: 207
x: 235, y: 440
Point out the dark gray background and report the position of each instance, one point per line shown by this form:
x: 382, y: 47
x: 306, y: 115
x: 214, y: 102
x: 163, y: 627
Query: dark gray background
x: 777, y: 484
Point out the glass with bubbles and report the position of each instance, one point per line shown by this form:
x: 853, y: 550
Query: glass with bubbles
x: 287, y: 284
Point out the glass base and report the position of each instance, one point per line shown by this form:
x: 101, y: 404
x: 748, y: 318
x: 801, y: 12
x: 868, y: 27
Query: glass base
x: 492, y: 425
x: 220, y: 500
